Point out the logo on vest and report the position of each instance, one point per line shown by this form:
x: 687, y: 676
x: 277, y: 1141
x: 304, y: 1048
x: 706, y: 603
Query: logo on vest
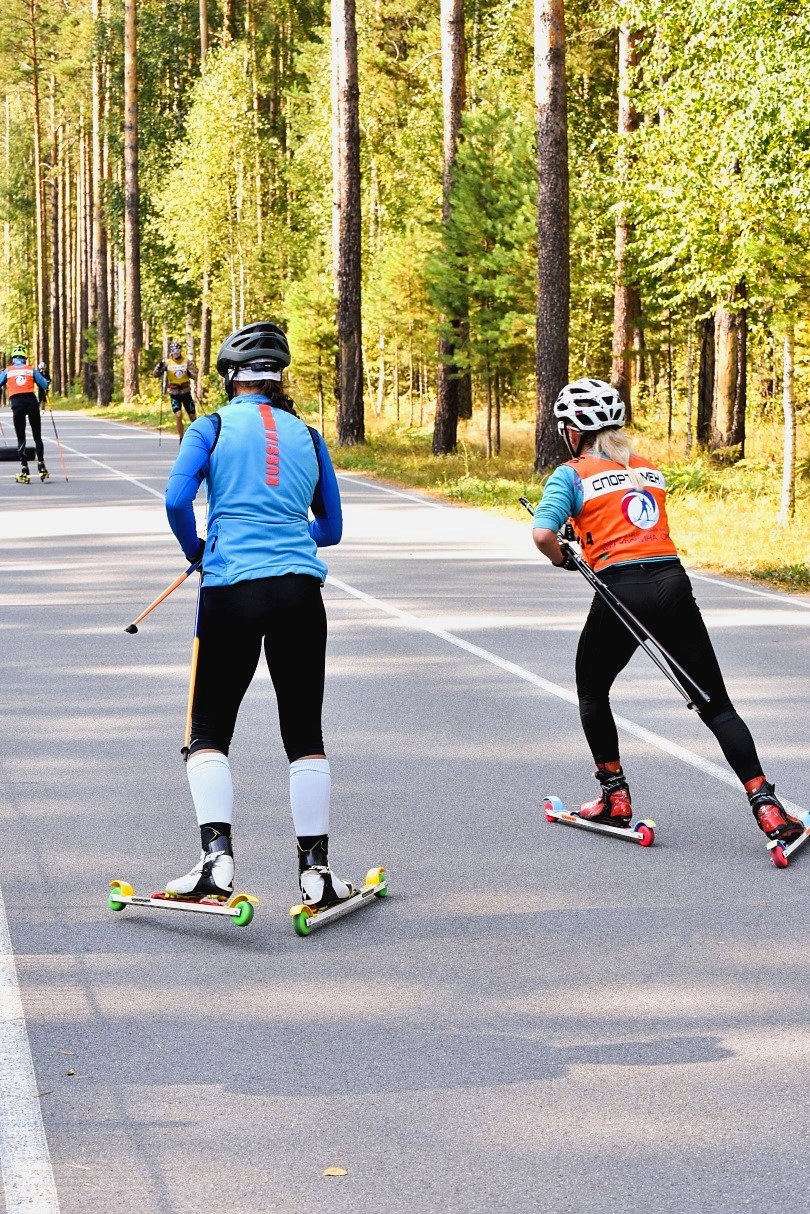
x: 640, y: 508
x: 21, y: 380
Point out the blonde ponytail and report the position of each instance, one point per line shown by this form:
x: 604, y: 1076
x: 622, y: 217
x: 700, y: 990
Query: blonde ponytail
x: 617, y: 447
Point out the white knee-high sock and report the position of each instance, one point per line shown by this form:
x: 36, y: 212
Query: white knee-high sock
x: 209, y: 778
x: 310, y: 785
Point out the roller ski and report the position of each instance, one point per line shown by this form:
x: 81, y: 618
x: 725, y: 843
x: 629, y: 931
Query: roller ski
x: 611, y: 813
x: 325, y: 896
x: 23, y: 477
x: 786, y: 832
x: 206, y: 889
x: 44, y: 474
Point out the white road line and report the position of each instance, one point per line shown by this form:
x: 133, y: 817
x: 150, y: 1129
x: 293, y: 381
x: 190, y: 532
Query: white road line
x: 553, y: 689
x: 24, y: 1159
x: 355, y: 479
x: 107, y: 468
x: 763, y: 594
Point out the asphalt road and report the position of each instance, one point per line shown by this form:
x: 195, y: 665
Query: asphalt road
x: 537, y: 1019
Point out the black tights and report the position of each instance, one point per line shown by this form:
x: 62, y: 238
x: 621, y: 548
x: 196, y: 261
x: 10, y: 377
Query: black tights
x: 19, y: 414
x: 287, y: 613
x: 660, y: 595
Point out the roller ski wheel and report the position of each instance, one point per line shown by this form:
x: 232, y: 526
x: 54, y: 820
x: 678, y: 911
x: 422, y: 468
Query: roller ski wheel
x: 306, y: 918
x: 641, y: 831
x: 239, y: 908
x: 782, y: 850
x: 23, y: 478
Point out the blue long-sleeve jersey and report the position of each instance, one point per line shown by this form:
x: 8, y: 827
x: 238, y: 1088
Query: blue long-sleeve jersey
x: 264, y: 470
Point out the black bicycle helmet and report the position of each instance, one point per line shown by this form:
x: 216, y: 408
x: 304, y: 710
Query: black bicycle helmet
x: 261, y: 342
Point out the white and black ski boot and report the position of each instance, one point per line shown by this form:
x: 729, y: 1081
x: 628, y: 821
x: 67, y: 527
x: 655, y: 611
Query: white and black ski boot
x: 23, y: 477
x: 212, y: 875
x: 320, y: 888
x: 44, y: 474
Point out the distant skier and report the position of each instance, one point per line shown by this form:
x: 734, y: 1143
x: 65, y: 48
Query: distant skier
x: 26, y: 389
x: 178, y: 373
x: 262, y: 579
x: 616, y: 502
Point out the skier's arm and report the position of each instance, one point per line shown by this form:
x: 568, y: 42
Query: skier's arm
x: 3, y: 377
x: 41, y: 381
x: 562, y: 499
x: 159, y: 369
x: 327, y: 526
x: 185, y: 478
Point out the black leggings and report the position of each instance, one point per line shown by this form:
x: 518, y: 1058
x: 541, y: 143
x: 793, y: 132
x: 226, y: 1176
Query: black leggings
x: 31, y: 412
x: 286, y: 612
x: 660, y: 595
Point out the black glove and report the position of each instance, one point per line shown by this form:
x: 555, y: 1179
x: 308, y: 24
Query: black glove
x: 192, y: 560
x: 568, y: 561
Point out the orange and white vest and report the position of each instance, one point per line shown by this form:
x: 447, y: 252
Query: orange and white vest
x: 619, y: 522
x: 20, y: 381
x: 177, y: 376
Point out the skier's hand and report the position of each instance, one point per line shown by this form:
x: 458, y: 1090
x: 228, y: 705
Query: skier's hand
x: 568, y: 561
x: 192, y: 558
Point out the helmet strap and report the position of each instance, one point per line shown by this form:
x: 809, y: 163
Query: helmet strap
x: 230, y: 376
x: 573, y: 451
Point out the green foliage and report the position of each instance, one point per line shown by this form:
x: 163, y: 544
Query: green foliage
x: 484, y: 264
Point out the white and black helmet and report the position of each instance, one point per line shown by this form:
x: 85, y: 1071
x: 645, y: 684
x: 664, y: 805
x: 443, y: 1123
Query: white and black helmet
x: 589, y: 405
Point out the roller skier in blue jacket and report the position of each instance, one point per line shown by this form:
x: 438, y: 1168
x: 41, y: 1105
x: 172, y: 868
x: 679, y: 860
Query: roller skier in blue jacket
x: 262, y: 577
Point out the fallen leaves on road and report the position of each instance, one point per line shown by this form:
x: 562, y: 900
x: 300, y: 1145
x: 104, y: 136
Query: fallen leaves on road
x: 335, y: 1171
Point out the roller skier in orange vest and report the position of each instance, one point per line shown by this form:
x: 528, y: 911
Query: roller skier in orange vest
x: 25, y: 388
x: 616, y: 502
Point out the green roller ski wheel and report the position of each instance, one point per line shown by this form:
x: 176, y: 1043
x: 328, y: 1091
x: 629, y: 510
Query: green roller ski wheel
x: 114, y: 904
x: 301, y: 923
x: 244, y: 915
x: 382, y: 892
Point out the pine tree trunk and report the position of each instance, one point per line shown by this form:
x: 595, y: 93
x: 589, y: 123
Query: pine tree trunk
x: 731, y: 333
x: 89, y: 370
x: 626, y: 305
x: 205, y: 337
x: 788, y: 501
x: 133, y: 335
x: 705, y: 399
x: 63, y: 224
x: 103, y: 345
x: 741, y: 385
x: 445, y: 427
x: 346, y: 132
x: 689, y: 383
x: 553, y: 274
x: 203, y: 30
x: 42, y: 327
x: 53, y: 223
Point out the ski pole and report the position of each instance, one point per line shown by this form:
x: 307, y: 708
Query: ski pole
x: 178, y: 581
x: 633, y: 625
x: 58, y: 444
x: 192, y: 675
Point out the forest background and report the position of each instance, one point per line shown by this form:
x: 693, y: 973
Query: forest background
x: 174, y: 169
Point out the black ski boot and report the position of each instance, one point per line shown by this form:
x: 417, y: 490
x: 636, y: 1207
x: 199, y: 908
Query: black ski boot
x: 44, y: 474
x: 212, y: 875
x: 320, y: 888
x: 23, y: 477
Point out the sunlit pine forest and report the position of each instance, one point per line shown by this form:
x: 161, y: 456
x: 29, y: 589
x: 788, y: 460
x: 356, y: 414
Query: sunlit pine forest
x: 452, y: 208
